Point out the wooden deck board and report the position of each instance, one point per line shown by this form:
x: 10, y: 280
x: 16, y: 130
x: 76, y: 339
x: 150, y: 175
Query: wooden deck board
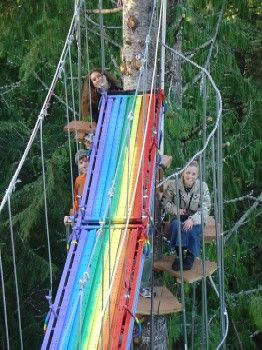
x: 191, y: 276
x: 164, y: 303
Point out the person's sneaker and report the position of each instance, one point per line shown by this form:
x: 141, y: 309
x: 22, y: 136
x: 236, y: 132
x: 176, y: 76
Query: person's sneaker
x: 146, y: 293
x: 188, y: 262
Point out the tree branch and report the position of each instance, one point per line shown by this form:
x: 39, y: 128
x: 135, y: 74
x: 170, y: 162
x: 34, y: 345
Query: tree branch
x: 242, y: 219
x: 55, y: 96
x: 249, y: 196
x: 105, y: 11
x: 212, y: 41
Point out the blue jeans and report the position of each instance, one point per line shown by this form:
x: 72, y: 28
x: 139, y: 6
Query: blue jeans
x: 190, y: 240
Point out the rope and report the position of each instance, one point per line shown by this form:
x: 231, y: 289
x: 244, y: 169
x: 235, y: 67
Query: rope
x: 15, y: 274
x: 79, y: 65
x: 204, y: 286
x: 46, y: 215
x: 87, y: 61
x: 219, y: 114
x: 102, y: 36
x: 42, y: 113
x: 69, y: 138
x: 181, y: 266
x: 225, y: 314
x: 139, y: 326
x: 162, y: 63
x: 4, y: 301
x: 72, y: 90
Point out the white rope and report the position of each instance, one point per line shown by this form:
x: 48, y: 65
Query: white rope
x: 162, y: 62
x: 219, y: 114
x: 4, y: 301
x: 72, y: 90
x: 42, y: 113
x: 15, y: 273
x: 46, y: 215
x: 225, y: 313
x: 69, y: 138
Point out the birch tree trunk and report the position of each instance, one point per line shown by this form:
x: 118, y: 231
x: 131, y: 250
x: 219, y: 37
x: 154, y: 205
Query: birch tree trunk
x: 136, y: 23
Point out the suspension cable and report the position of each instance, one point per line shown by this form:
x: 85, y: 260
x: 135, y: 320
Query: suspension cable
x: 181, y: 276
x: 46, y: 214
x: 4, y: 301
x: 88, y: 63
x: 204, y: 273
x: 68, y: 137
x: 217, y: 124
x: 102, y: 36
x: 72, y: 90
x: 15, y: 273
x: 43, y: 111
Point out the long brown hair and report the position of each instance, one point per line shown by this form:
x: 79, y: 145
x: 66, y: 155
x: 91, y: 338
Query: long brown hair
x: 90, y: 95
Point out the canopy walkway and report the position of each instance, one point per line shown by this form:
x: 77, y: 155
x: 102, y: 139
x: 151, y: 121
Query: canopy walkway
x: 98, y: 295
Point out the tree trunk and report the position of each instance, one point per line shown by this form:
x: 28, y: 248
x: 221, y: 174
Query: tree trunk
x: 136, y: 22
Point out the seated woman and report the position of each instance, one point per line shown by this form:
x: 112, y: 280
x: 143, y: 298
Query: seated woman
x: 96, y: 82
x: 190, y: 214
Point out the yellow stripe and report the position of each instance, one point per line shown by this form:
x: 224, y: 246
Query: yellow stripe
x: 92, y: 342
x: 129, y: 163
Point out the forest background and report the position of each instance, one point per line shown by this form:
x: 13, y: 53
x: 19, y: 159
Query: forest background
x: 32, y: 36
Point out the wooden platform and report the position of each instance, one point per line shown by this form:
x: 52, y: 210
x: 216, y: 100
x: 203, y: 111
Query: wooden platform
x: 80, y: 128
x: 164, y: 303
x: 191, y: 276
x: 210, y: 230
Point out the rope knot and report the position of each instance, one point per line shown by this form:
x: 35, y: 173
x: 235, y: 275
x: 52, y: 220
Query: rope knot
x: 147, y: 41
x: 131, y: 116
x: 61, y: 69
x: 43, y: 114
x: 111, y: 192
x: 101, y: 229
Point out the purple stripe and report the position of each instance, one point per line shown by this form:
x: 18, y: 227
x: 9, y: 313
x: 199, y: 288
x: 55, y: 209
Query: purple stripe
x: 92, y: 157
x: 99, y: 159
x: 58, y: 294
x: 68, y: 289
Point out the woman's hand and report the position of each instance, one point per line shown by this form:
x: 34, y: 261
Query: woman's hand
x: 188, y: 224
x: 182, y: 211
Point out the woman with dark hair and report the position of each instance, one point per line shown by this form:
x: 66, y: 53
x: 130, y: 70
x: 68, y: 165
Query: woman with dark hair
x: 96, y: 82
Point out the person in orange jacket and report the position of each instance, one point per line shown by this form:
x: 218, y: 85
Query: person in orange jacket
x: 81, y: 159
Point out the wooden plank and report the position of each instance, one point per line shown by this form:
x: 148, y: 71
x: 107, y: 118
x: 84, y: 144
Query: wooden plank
x: 191, y: 276
x: 164, y: 303
x: 210, y: 230
x: 80, y: 128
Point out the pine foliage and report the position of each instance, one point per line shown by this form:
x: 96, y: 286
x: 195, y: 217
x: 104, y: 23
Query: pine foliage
x: 32, y: 37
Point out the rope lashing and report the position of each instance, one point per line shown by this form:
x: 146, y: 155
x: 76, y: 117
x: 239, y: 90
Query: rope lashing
x: 4, y: 301
x: 138, y: 323
x: 51, y: 310
x: 147, y: 245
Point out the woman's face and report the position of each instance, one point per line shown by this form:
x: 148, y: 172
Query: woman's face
x: 190, y: 175
x: 99, y: 80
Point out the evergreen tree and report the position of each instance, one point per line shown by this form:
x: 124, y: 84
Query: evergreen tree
x: 32, y: 37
